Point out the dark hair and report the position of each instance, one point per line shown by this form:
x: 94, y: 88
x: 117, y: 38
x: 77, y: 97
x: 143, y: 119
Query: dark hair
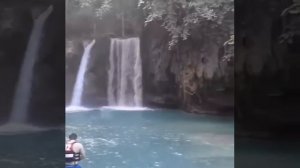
x: 73, y: 136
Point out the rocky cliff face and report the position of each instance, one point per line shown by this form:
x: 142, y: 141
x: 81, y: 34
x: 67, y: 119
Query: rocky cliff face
x: 46, y: 102
x: 191, y: 76
x: 267, y: 82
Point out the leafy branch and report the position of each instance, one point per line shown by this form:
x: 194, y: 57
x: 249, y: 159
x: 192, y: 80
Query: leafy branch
x: 100, y: 7
x: 179, y: 17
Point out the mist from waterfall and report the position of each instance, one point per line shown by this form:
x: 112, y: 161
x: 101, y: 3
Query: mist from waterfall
x: 23, y: 87
x: 125, y: 73
x: 79, y: 84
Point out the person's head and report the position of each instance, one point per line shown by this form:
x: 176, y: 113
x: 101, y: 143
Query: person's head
x: 73, y: 136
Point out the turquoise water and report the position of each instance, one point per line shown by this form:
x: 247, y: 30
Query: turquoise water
x: 33, y: 150
x: 152, y: 139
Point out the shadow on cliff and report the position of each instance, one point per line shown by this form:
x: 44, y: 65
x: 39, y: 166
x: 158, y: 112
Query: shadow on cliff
x: 47, y: 98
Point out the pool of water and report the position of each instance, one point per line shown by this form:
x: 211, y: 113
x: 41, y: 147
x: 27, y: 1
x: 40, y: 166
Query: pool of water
x: 153, y: 138
x: 36, y: 149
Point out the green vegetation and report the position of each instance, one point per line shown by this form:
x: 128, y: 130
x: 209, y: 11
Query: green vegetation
x: 178, y: 17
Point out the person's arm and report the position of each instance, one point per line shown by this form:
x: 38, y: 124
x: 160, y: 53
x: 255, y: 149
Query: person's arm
x: 82, y: 152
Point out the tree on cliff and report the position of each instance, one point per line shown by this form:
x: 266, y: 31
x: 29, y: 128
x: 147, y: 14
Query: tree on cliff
x: 179, y: 17
x: 99, y: 7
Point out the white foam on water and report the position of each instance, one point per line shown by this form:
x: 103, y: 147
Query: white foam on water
x: 72, y: 109
x: 108, y: 141
x: 18, y: 128
x: 11, y: 161
x: 125, y: 108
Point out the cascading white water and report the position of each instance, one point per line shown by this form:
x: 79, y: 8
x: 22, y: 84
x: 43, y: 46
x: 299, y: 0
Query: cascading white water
x: 23, y: 90
x: 125, y: 73
x: 79, y: 84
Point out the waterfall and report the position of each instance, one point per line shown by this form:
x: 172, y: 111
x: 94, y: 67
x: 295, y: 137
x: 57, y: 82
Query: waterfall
x: 78, y: 87
x: 23, y: 89
x: 125, y: 73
